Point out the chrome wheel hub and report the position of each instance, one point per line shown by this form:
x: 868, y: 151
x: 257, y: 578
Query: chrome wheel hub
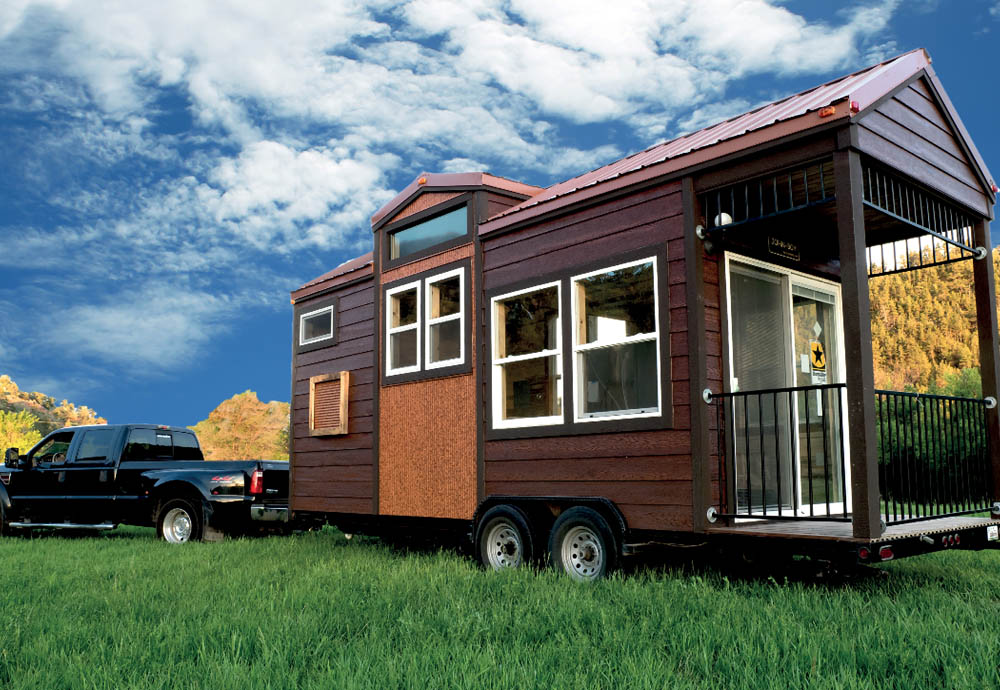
x: 177, y: 526
x: 504, y: 548
x: 582, y: 554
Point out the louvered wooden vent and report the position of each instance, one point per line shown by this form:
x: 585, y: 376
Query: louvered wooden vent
x: 328, y: 404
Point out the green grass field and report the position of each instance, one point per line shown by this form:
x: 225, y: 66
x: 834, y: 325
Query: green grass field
x: 314, y: 610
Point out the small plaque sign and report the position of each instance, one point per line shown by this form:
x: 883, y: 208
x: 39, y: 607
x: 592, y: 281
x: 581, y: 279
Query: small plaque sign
x: 783, y: 248
x: 993, y: 533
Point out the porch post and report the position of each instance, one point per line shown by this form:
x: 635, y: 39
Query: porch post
x: 857, y: 345
x: 989, y: 357
x: 694, y: 296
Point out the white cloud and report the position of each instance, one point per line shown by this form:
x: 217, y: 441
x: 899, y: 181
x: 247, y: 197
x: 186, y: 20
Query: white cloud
x: 158, y: 326
x: 306, y: 115
x: 995, y: 10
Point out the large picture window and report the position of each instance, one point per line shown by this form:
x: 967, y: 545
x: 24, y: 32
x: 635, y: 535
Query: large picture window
x: 580, y: 350
x: 615, y: 342
x: 527, y: 362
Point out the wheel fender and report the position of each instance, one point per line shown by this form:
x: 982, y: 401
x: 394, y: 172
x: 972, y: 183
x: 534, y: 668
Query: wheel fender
x: 5, y: 498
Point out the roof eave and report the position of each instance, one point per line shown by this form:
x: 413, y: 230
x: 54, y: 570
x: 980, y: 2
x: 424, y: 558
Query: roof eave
x: 672, y: 167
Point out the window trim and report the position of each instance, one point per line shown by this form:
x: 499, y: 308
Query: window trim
x: 302, y: 326
x: 309, y: 306
x: 344, y: 378
x: 460, y: 317
x: 423, y: 373
x: 496, y: 364
x: 577, y: 348
x: 390, y: 330
x: 568, y: 425
x: 466, y: 199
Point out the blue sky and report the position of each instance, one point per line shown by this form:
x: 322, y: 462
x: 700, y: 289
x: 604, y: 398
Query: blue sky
x: 170, y: 171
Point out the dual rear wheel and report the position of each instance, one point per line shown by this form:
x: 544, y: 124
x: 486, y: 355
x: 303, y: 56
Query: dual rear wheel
x: 580, y: 542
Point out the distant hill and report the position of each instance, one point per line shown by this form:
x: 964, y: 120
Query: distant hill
x: 244, y: 428
x: 50, y: 415
x: 924, y: 334
x: 25, y: 417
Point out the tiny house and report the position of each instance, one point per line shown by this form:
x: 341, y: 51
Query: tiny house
x: 672, y: 348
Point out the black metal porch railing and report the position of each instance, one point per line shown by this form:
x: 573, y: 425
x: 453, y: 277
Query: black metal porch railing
x: 933, y: 456
x: 785, y: 452
x: 782, y: 454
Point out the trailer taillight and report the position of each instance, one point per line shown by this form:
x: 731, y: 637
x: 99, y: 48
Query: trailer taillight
x: 864, y: 553
x: 885, y: 553
x: 257, y: 482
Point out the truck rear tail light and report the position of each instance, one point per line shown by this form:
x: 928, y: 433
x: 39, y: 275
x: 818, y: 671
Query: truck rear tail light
x: 864, y: 553
x: 257, y: 482
x: 885, y: 553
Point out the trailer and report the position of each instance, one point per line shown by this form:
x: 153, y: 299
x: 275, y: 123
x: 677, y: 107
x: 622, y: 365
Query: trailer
x: 671, y: 349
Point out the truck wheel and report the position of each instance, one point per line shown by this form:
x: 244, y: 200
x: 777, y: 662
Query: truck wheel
x: 504, y: 538
x: 179, y: 522
x: 582, y: 545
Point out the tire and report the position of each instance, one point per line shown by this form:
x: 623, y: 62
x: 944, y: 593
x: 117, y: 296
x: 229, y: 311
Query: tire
x: 503, y: 539
x: 180, y: 521
x: 582, y: 545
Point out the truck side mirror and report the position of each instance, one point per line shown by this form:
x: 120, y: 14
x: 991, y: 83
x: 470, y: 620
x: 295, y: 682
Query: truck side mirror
x: 11, y: 458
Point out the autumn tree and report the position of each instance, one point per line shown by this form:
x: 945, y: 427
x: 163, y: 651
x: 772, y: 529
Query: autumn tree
x: 17, y: 430
x: 244, y: 428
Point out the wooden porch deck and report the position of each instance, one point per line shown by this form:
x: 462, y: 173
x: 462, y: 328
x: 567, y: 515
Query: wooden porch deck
x: 841, y: 531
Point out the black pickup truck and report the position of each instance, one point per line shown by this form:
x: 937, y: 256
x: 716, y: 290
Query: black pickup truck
x: 99, y: 477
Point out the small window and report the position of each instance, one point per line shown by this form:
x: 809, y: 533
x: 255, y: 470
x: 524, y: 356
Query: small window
x: 316, y: 326
x: 527, y: 364
x: 148, y: 444
x: 437, y: 230
x: 615, y: 342
x: 186, y: 446
x: 445, y: 301
x: 95, y: 446
x: 53, y: 450
x: 403, y: 329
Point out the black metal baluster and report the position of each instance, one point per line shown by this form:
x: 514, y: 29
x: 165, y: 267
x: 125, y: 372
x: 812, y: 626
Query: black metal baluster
x: 777, y: 449
x: 805, y: 396
x: 763, y: 455
x: 826, y: 449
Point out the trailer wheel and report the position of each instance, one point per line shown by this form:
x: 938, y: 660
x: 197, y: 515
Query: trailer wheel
x: 582, y: 545
x: 179, y: 522
x: 504, y: 538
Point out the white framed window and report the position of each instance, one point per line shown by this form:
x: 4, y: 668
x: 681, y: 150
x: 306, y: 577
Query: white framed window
x: 527, y: 357
x: 444, y: 297
x: 616, y: 342
x: 402, y: 323
x: 316, y: 326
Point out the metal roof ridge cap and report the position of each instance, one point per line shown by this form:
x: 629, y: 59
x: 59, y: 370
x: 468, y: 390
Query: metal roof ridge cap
x: 906, y: 65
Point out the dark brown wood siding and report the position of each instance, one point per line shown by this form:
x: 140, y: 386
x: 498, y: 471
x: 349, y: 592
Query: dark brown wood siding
x: 646, y: 473
x: 334, y: 473
x: 911, y: 133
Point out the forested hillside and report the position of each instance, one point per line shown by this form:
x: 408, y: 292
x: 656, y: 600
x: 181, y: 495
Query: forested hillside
x: 240, y: 428
x: 924, y: 334
x: 25, y: 417
x: 244, y: 428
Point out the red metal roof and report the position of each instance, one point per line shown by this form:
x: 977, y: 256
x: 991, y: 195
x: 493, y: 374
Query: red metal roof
x: 773, y: 121
x: 359, y: 266
x: 449, y: 182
